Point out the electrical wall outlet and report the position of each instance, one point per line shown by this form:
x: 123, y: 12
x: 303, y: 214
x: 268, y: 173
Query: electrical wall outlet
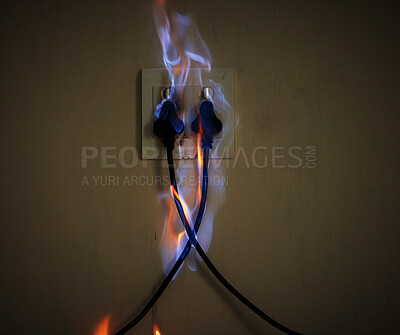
x: 221, y: 81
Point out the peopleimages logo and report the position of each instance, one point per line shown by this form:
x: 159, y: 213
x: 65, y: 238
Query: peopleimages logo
x: 261, y: 157
x: 127, y: 157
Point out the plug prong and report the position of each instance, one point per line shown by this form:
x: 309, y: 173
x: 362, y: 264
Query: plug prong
x: 207, y: 93
x: 166, y: 92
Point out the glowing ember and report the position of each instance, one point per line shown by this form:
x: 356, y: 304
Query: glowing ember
x: 102, y: 328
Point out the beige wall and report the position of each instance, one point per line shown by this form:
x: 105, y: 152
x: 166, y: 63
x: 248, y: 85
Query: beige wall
x: 315, y: 248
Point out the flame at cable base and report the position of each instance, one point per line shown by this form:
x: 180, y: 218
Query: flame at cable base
x: 186, y: 56
x: 102, y: 328
x: 156, y: 330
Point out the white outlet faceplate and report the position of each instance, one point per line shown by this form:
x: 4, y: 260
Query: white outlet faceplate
x: 222, y: 83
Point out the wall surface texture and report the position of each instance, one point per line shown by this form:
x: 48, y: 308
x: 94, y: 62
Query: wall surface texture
x: 317, y: 249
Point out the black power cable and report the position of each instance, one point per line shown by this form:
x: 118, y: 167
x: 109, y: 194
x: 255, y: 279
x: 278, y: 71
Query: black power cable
x: 187, y: 248
x: 213, y: 269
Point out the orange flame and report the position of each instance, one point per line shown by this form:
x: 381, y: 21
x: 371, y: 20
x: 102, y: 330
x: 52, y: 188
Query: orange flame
x: 102, y: 328
x: 199, y: 163
x: 180, y: 237
x: 185, y: 207
x: 156, y: 330
x: 173, y: 237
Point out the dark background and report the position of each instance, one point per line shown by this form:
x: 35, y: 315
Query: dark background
x: 317, y: 249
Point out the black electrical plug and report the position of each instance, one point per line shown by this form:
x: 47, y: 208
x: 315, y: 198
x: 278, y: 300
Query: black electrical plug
x: 168, y: 124
x: 206, y: 123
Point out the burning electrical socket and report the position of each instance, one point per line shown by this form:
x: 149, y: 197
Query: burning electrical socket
x: 154, y: 81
